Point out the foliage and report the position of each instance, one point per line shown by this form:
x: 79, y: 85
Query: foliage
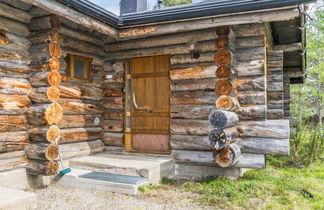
x: 264, y: 189
x: 170, y: 3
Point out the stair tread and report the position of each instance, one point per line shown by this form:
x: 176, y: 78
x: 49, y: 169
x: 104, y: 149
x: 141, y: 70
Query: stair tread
x: 109, y: 177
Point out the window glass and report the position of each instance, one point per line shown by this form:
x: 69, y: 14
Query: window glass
x: 77, y: 67
x: 80, y: 68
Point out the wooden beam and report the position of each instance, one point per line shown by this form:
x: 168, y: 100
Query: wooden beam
x: 288, y: 47
x: 71, y: 14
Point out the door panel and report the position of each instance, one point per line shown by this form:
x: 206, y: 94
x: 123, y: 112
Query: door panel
x: 150, y: 88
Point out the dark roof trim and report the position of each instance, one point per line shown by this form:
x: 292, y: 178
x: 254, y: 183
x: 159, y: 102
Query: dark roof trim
x: 177, y: 13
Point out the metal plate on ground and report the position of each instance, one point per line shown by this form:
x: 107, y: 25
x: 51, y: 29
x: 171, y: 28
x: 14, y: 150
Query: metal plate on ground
x: 101, y: 176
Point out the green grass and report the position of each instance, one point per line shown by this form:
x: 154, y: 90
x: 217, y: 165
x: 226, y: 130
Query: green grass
x: 270, y: 188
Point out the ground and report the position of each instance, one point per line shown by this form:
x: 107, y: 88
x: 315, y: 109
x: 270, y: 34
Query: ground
x: 264, y: 189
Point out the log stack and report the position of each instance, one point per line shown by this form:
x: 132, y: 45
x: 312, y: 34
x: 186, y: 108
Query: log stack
x: 14, y: 85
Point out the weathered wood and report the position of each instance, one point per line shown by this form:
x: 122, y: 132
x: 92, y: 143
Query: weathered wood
x: 79, y: 149
x: 76, y: 106
x: 227, y: 103
x: 265, y: 129
x: 250, y: 68
x: 252, y: 53
x: 14, y: 27
x: 71, y: 14
x: 42, y: 151
x: 81, y: 92
x: 12, y: 160
x: 267, y: 146
x: 13, y: 123
x: 248, y: 30
x: 14, y: 42
x: 114, y: 126
x: 193, y: 73
x: 197, y: 98
x: 15, y: 67
x: 223, y: 71
x: 249, y: 84
x: 252, y: 112
x: 223, y: 57
x: 246, y: 160
x: 46, y: 168
x: 14, y: 86
x: 54, y: 64
x: 79, y: 121
x: 275, y: 114
x: 223, y: 119
x: 220, y: 138
x: 191, y: 111
x: 223, y: 87
x: 40, y: 114
x: 53, y: 114
x: 112, y: 114
x: 115, y: 92
x: 288, y: 47
x: 228, y: 156
x: 53, y: 93
x: 112, y: 102
x: 44, y: 134
x: 275, y: 86
x: 190, y: 142
x: 113, y: 139
x: 275, y: 104
x: 13, y: 141
x: 54, y: 78
x: 14, y: 104
x: 193, y: 84
x: 189, y: 127
x: 205, y: 57
x: 252, y: 41
x: 69, y: 135
x: 251, y: 97
x: 18, y: 4
x: 114, y: 65
x: 70, y: 32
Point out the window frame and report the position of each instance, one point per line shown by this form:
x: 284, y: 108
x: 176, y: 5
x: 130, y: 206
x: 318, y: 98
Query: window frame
x: 71, y: 66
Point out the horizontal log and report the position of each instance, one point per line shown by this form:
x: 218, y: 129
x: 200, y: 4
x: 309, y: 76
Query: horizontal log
x: 190, y: 127
x: 275, y: 76
x: 15, y: 67
x: 113, y: 139
x: 42, y: 151
x: 41, y: 114
x: 275, y: 104
x: 251, y: 97
x: 275, y: 114
x: 275, y: 96
x: 249, y: 30
x: 13, y: 123
x: 15, y: 56
x: 193, y: 84
x: 252, y: 112
x: 193, y: 73
x: 252, y: 41
x: 70, y: 32
x: 246, y: 160
x: 275, y: 86
x: 41, y: 167
x: 14, y: 27
x: 197, y: 98
x: 80, y: 121
x: 12, y: 160
x: 79, y: 149
x: 250, y: 68
x: 14, y: 104
x: 223, y: 119
x: 112, y: 114
x: 190, y: 142
x: 114, y: 126
x: 14, y: 86
x: 13, y: 141
x: 191, y: 111
x: 205, y: 57
x: 114, y: 92
x: 76, y: 106
x: 112, y: 102
x: 114, y: 65
x: 69, y: 135
x: 44, y: 134
x: 248, y: 54
x: 15, y: 42
x: 18, y: 4
x: 267, y: 146
x: 264, y: 129
x: 289, y: 47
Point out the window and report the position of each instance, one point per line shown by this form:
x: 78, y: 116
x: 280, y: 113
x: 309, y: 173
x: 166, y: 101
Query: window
x: 78, y: 67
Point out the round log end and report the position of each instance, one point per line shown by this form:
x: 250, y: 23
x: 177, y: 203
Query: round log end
x: 228, y: 156
x: 54, y: 64
x: 223, y: 71
x: 217, y: 119
x: 54, y: 114
x: 54, y: 78
x: 217, y: 139
x: 224, y: 102
x: 53, y: 134
x: 223, y: 87
x: 52, y: 168
x: 53, y: 93
x: 55, y: 50
x: 222, y: 42
x: 52, y: 152
x: 223, y: 57
x: 223, y: 30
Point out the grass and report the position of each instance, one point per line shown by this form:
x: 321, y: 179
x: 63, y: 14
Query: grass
x: 271, y: 188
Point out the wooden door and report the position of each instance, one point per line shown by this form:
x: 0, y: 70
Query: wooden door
x: 149, y: 97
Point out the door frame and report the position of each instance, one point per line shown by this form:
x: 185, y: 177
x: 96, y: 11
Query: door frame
x: 128, y: 145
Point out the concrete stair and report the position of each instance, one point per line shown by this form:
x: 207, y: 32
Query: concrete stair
x: 12, y: 199
x: 122, y: 173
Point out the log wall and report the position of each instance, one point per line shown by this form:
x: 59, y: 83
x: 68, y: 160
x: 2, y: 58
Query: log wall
x: 14, y: 84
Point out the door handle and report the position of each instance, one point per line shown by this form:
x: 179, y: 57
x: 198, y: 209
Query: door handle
x: 139, y: 107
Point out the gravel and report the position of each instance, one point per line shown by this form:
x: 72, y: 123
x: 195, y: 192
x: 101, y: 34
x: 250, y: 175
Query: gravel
x: 162, y: 197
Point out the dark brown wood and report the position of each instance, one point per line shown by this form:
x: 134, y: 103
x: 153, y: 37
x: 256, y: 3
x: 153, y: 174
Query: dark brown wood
x: 223, y: 30
x: 55, y: 50
x: 228, y: 156
x: 223, y: 87
x: 223, y: 71
x: 223, y: 57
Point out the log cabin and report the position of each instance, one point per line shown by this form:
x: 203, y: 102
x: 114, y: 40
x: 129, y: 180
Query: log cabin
x: 206, y: 84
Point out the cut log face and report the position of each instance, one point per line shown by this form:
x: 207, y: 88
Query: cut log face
x: 53, y: 93
x: 223, y: 87
x: 223, y: 71
x: 223, y: 56
x: 42, y: 167
x: 55, y: 36
x: 222, y: 42
x: 220, y: 138
x: 54, y: 78
x: 228, y: 156
x: 223, y: 119
x: 53, y: 134
x: 55, y: 50
x: 227, y: 103
x: 42, y: 151
x: 54, y: 64
x: 54, y: 113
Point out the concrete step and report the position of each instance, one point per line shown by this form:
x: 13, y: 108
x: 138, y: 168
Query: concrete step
x: 151, y: 167
x: 100, y: 181
x: 12, y: 199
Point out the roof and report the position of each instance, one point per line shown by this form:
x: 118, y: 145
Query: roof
x: 206, y: 8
